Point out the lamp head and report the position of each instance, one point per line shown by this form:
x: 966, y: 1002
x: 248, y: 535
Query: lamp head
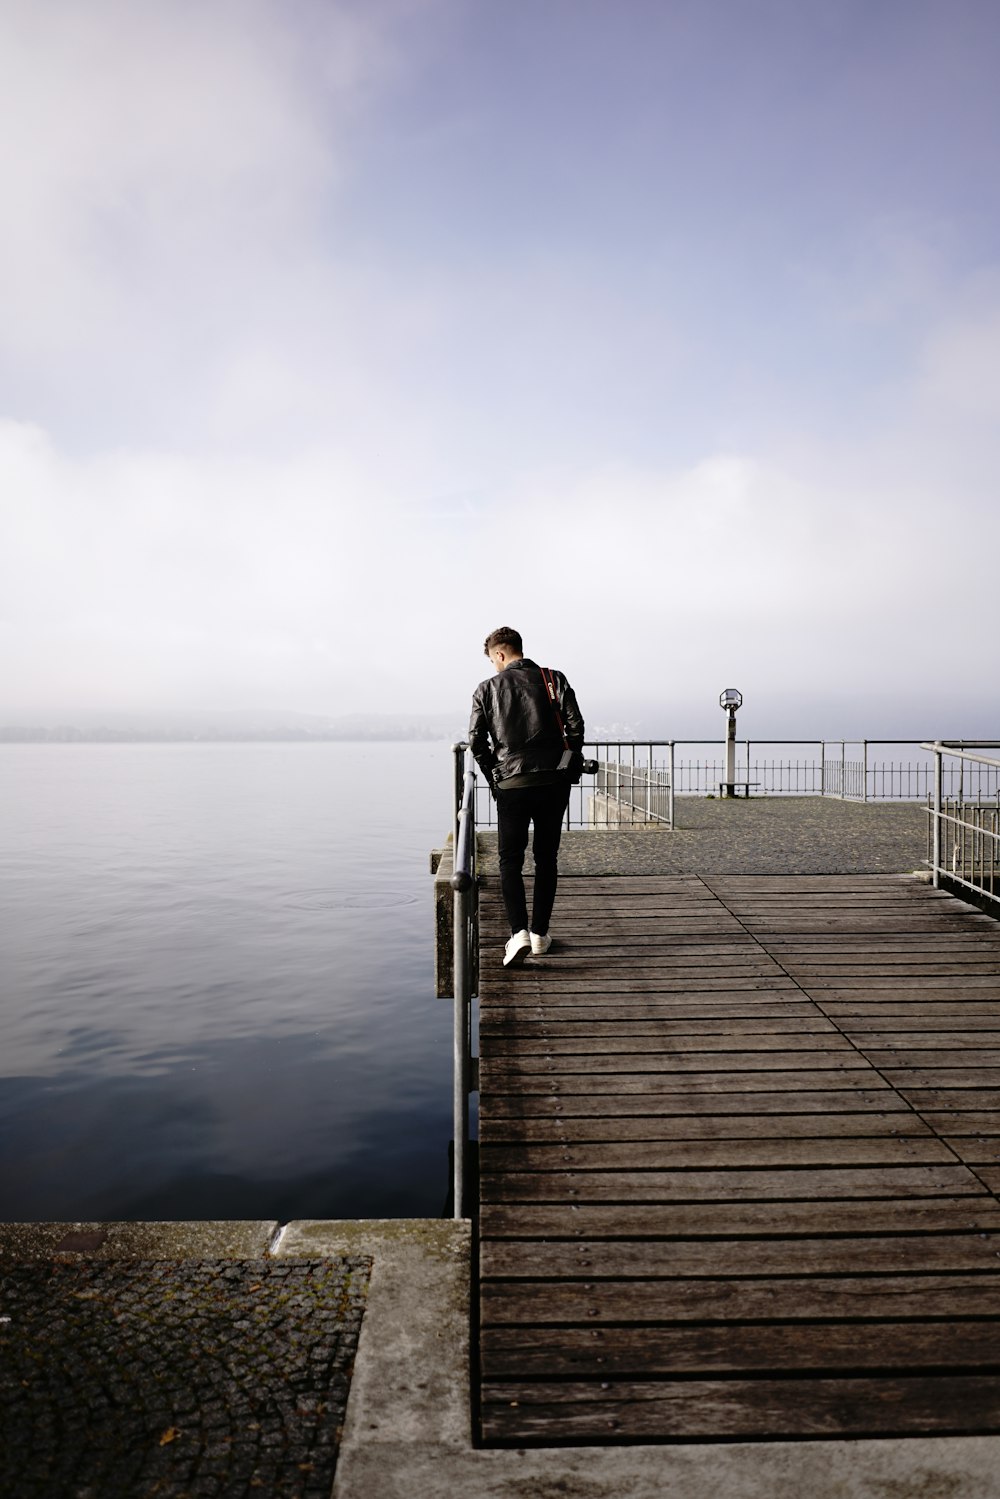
x: 731, y: 699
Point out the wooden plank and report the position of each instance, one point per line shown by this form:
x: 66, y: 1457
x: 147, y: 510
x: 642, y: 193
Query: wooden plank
x: 830, y: 945
x: 849, y: 907
x: 561, y: 963
x: 562, y: 1220
x: 652, y: 1045
x: 607, y: 988
x: 707, y: 1155
x: 611, y: 989
x: 942, y: 1075
x: 962, y: 938
x: 626, y: 1084
x: 678, y: 882
x: 902, y: 952
x: 566, y: 959
x: 986, y: 985
x: 666, y: 1062
x: 975, y: 1150
x: 737, y: 882
x: 868, y: 1026
x: 814, y: 1300
x: 898, y: 964
x: 803, y: 926
x: 621, y: 979
x: 709, y: 922
x: 948, y: 1100
x: 917, y: 1009
x: 785, y: 1001
x: 499, y: 1026
x: 691, y: 1103
x: 738, y: 891
x: 603, y: 920
x: 728, y: 1185
x: 573, y: 914
x: 538, y: 1024
x: 600, y: 998
x: 629, y: 1128
x: 617, y: 969
x: 805, y: 923
x: 697, y: 920
x: 978, y: 1044
x: 964, y: 1121
x: 542, y: 1353
x: 908, y: 956
x: 759, y: 1408
x: 971, y: 1059
x: 844, y: 946
x: 670, y: 1259
x: 844, y: 904
x: 882, y: 976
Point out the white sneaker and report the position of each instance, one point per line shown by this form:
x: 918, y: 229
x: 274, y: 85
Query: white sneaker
x: 517, y: 949
x: 539, y: 945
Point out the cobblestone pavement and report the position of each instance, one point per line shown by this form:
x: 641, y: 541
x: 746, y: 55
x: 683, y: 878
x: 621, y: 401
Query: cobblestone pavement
x: 178, y: 1379
x: 762, y: 835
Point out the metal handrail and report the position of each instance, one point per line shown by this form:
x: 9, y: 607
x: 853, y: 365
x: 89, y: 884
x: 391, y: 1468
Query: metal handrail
x: 963, y: 750
x: 650, y: 779
x: 975, y: 863
x: 463, y: 883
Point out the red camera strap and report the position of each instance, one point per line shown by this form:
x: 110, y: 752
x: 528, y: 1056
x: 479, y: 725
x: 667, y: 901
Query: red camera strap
x: 550, y: 688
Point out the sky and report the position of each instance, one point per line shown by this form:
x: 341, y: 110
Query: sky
x: 336, y: 334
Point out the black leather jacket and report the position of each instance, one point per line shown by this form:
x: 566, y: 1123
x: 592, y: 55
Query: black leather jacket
x: 513, y: 732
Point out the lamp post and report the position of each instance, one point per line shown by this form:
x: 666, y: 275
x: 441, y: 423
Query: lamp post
x: 730, y: 700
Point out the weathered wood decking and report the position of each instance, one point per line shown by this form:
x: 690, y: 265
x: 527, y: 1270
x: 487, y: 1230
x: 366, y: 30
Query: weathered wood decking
x: 740, y: 1140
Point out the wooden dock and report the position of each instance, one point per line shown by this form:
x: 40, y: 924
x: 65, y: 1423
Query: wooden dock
x: 740, y: 1145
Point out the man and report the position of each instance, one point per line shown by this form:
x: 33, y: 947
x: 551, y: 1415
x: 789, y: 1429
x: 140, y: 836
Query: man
x: 518, y: 740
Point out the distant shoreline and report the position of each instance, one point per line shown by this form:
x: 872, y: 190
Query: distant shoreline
x: 69, y: 735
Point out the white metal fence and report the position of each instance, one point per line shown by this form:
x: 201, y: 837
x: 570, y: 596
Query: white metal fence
x: 626, y: 793
x: 639, y: 781
x: 964, y: 826
x: 633, y: 785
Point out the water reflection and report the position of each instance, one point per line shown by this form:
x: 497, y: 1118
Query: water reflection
x: 219, y: 991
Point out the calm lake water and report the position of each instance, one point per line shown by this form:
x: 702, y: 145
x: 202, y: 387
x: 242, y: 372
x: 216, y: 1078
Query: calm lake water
x: 216, y: 981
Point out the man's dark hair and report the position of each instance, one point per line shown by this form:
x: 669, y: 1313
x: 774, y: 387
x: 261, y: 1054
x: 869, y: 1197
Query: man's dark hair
x: 504, y: 636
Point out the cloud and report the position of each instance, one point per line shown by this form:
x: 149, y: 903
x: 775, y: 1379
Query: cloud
x: 169, y: 174
x: 328, y: 582
x: 144, y: 577
x: 884, y: 270
x: 960, y: 368
x: 298, y: 408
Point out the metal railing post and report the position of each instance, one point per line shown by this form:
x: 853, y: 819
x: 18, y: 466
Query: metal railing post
x: 936, y: 852
x: 458, y: 750
x: 822, y: 767
x: 864, y: 770
x: 670, y: 788
x: 460, y: 1051
x: 463, y: 884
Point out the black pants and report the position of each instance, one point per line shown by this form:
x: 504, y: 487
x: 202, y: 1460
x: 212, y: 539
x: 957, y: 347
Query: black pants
x: 545, y: 806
